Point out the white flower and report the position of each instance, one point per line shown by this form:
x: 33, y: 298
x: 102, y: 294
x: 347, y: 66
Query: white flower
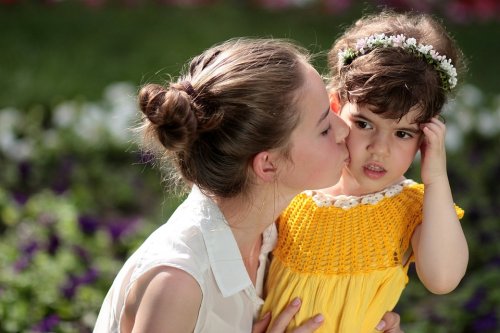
x: 361, y: 44
x: 92, y: 123
x: 471, y: 96
x: 123, y: 110
x: 440, y: 62
x: 486, y: 123
x: 65, y: 114
x: 454, y: 138
x: 9, y: 120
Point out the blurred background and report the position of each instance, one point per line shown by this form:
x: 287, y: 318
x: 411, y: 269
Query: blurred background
x: 77, y: 196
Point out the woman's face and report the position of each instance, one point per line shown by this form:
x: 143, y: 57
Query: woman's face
x: 318, y: 150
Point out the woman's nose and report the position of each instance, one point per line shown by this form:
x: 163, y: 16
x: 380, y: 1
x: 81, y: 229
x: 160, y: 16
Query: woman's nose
x: 340, y: 129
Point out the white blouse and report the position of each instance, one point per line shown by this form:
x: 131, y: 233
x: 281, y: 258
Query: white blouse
x: 198, y: 240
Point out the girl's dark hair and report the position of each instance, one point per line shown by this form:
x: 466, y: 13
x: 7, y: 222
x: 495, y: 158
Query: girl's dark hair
x: 391, y: 81
x: 235, y: 100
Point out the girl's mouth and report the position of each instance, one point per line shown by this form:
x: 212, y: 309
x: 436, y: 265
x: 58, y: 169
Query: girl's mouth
x: 374, y: 171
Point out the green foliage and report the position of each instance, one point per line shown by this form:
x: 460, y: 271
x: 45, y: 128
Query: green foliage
x: 75, y: 200
x: 69, y: 52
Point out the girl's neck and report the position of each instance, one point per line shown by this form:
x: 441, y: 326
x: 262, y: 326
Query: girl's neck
x: 348, y: 185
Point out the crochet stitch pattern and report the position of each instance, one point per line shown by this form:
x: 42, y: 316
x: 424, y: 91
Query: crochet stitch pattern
x: 443, y: 66
x: 338, y: 242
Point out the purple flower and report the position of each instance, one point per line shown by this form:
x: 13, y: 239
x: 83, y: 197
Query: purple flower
x: 89, y: 277
x: 63, y: 176
x: 53, y: 245
x: 486, y: 323
x: 20, y: 197
x: 69, y: 289
x: 24, y: 169
x: 47, y: 324
x: 88, y: 224
x: 30, y: 248
x: 82, y: 253
x: 21, y: 264
x: 494, y: 262
x: 27, y: 252
x: 473, y: 304
x: 146, y: 157
x: 121, y: 227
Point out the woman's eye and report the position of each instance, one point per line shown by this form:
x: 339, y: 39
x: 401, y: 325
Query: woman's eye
x: 403, y: 135
x: 325, y: 132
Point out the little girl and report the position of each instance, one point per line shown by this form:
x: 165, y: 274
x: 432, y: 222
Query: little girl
x: 390, y: 74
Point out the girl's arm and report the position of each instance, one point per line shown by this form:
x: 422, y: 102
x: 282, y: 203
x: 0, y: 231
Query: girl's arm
x: 440, y: 247
x: 166, y: 300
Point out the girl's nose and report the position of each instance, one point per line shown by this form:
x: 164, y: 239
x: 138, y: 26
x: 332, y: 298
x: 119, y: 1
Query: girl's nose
x: 379, y: 145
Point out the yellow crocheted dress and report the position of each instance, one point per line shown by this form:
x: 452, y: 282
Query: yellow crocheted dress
x: 345, y: 257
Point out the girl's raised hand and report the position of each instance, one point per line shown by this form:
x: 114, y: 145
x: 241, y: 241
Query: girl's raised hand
x: 433, y: 151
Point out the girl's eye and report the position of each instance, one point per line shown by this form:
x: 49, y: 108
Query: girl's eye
x: 362, y: 124
x: 325, y: 132
x: 403, y: 135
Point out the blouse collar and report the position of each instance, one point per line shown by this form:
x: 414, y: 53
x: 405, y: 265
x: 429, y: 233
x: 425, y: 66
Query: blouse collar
x: 224, y: 255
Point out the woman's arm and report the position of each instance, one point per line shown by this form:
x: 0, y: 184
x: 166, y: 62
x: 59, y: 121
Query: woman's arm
x: 441, y: 253
x: 166, y: 300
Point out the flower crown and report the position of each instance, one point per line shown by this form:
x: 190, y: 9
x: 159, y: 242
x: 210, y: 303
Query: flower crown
x: 446, y: 70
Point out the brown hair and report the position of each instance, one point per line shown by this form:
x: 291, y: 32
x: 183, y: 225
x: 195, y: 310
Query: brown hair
x: 235, y: 100
x: 391, y: 80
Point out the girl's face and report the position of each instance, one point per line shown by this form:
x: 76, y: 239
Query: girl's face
x: 381, y: 149
x: 318, y: 150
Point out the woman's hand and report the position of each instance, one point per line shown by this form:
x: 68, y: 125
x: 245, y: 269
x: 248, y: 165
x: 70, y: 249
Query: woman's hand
x: 284, y: 318
x: 390, y: 323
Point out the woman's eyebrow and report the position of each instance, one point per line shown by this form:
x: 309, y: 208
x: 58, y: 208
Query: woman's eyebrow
x: 323, y: 116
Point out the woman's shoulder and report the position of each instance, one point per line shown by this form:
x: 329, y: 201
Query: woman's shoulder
x: 177, y: 243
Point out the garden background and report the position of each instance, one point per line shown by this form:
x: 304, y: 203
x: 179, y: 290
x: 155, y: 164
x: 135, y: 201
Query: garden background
x: 77, y: 196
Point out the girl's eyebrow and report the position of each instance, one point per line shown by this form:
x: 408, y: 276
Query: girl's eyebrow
x: 413, y: 130
x: 359, y: 116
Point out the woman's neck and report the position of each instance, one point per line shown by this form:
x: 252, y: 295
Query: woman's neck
x: 248, y: 216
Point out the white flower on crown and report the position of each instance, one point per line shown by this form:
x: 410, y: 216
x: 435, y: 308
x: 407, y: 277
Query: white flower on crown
x: 443, y: 65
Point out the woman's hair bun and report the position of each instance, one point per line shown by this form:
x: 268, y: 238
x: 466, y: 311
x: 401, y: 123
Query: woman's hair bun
x: 170, y: 115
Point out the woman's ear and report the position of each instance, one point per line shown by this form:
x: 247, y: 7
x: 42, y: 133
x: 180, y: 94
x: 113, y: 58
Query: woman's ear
x: 264, y: 167
x: 335, y: 101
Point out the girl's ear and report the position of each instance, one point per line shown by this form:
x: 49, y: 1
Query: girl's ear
x: 263, y: 166
x: 335, y: 102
